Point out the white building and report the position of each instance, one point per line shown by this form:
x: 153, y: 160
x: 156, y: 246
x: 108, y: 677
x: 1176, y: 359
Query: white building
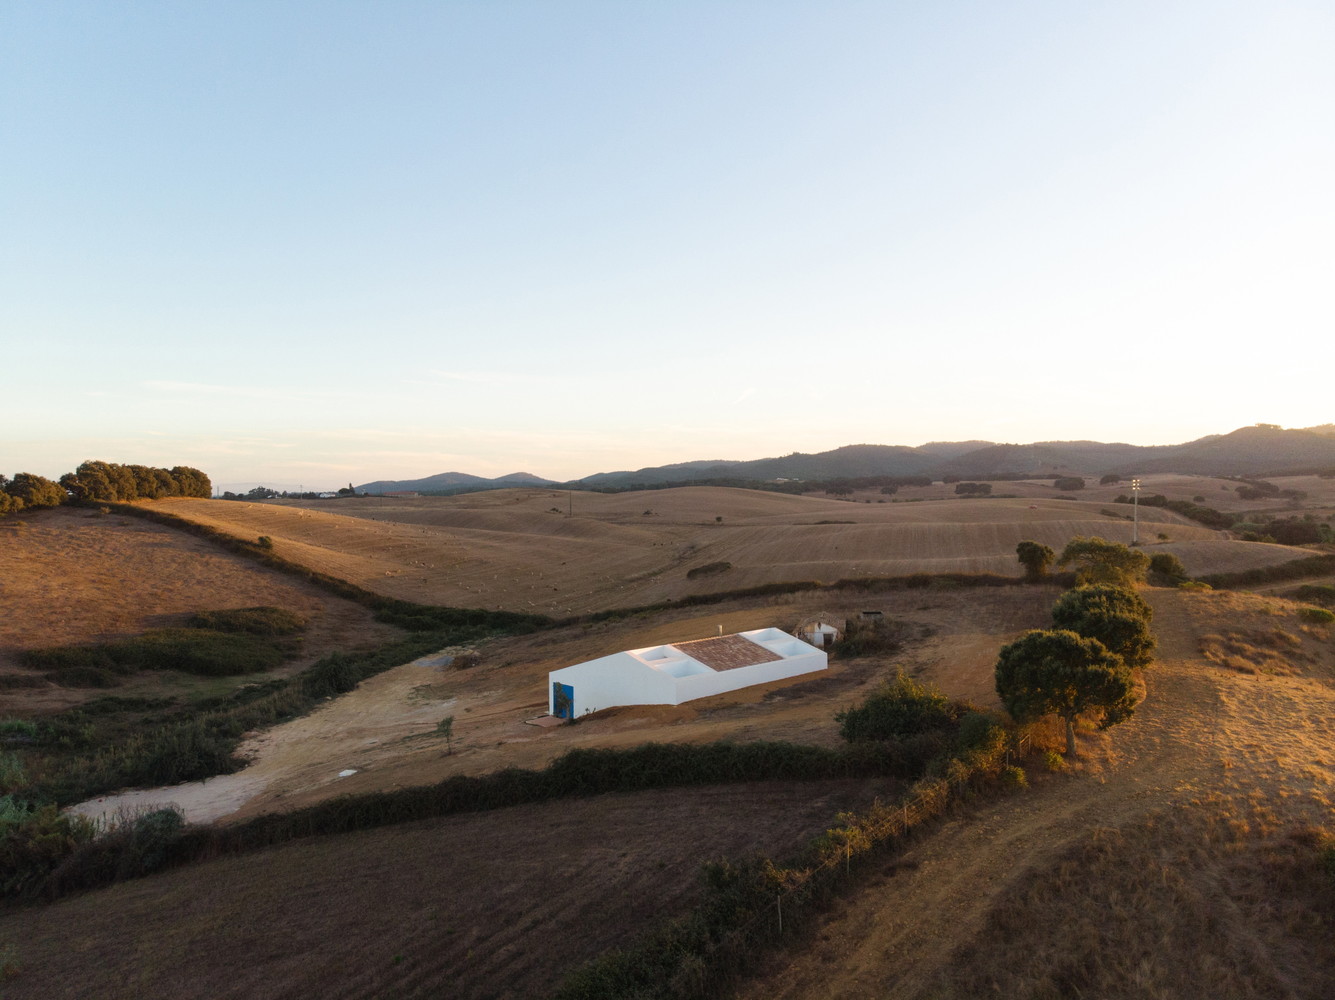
x: 683, y: 671
x: 819, y: 632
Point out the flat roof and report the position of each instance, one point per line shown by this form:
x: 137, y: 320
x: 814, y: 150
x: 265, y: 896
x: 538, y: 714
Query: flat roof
x: 727, y: 652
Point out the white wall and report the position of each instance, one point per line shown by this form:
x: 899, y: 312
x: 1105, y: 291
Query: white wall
x: 625, y: 679
x: 619, y: 679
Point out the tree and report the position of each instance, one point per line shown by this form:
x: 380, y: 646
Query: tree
x: 1035, y: 558
x: 973, y: 489
x: 94, y: 482
x: 1104, y: 562
x: 1109, y: 479
x: 33, y: 490
x: 1117, y: 617
x: 1167, y: 569
x: 192, y: 482
x: 1063, y: 674
x: 1068, y: 483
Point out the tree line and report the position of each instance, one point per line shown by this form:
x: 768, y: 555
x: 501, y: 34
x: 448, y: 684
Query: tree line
x: 95, y: 481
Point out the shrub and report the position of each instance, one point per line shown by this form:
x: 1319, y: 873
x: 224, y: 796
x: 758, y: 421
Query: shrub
x: 867, y: 638
x: 194, y: 650
x: 897, y: 709
x: 709, y: 569
x: 33, y: 841
x: 1054, y: 761
x: 18, y: 730
x: 1317, y: 593
x: 1166, y: 569
x: 1014, y: 778
x: 256, y: 621
x: 1319, y: 616
x: 1194, y: 585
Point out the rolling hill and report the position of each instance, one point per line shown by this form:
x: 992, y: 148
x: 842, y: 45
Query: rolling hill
x: 1260, y: 450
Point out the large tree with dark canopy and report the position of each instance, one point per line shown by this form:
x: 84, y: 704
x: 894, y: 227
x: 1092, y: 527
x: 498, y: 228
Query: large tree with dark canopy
x: 1064, y: 674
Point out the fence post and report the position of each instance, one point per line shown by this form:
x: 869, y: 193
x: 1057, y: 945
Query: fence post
x: 778, y: 902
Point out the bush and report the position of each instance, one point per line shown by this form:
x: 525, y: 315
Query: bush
x: 256, y: 621
x: 1315, y: 593
x: 1054, y: 761
x: 193, y: 650
x: 896, y: 710
x: 1014, y: 778
x: 709, y: 569
x: 867, y: 638
x: 1166, y: 569
x: 1319, y: 616
x: 33, y: 841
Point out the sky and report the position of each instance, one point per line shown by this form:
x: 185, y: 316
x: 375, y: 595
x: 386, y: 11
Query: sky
x: 313, y: 243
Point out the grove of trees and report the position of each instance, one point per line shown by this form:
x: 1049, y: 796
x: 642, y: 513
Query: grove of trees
x: 94, y: 481
x: 1101, y: 632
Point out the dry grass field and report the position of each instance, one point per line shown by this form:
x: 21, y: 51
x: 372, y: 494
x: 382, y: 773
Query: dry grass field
x: 1165, y: 864
x: 518, y: 550
x: 70, y: 577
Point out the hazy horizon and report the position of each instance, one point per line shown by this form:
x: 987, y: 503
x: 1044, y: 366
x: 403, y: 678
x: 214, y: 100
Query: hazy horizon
x: 314, y: 243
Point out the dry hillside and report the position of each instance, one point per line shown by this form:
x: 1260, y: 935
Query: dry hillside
x: 68, y: 576
x: 518, y: 549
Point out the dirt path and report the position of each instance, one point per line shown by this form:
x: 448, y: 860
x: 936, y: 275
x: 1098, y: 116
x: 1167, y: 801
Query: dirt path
x: 315, y: 752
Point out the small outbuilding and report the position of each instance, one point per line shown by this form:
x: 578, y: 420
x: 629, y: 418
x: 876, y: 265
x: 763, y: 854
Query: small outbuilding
x: 819, y: 632
x: 679, y: 672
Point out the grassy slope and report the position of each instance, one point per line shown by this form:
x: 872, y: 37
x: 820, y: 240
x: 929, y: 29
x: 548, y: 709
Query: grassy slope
x: 1168, y: 869
x: 508, y: 550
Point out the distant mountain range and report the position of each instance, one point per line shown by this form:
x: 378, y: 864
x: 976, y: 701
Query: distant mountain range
x: 1264, y: 449
x: 452, y: 482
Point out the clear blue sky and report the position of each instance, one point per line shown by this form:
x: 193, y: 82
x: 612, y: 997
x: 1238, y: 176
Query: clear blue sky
x: 308, y: 243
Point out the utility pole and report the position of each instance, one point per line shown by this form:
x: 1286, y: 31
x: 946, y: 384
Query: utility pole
x: 1135, y: 512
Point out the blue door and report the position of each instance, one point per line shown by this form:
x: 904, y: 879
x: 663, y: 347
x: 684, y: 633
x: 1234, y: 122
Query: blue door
x: 563, y: 700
